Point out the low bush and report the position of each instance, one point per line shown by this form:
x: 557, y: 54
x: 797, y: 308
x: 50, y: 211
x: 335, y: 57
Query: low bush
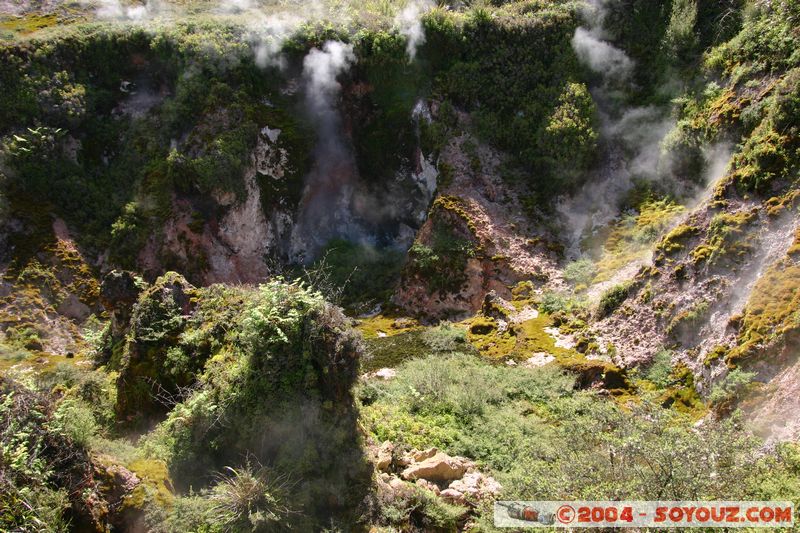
x: 660, y: 370
x: 731, y: 387
x: 356, y: 276
x: 613, y: 298
x: 543, y: 439
x: 580, y: 272
x: 43, y: 471
x: 557, y: 302
x: 446, y: 337
x: 276, y: 389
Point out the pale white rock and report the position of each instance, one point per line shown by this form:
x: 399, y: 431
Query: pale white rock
x: 271, y: 134
x: 426, y: 179
x: 452, y: 496
x: 538, y: 359
x: 477, y: 485
x: 386, y: 373
x: 561, y: 340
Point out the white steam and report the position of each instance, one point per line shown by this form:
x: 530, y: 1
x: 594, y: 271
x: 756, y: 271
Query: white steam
x: 320, y: 69
x: 236, y: 6
x: 116, y: 10
x: 601, y: 56
x: 631, y: 136
x: 326, y: 209
x: 409, y: 23
x: 269, y: 34
x: 633, y: 139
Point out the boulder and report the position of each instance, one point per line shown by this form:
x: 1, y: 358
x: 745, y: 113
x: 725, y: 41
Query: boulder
x: 383, y: 460
x: 477, y: 486
x: 452, y: 496
x: 119, y: 290
x: 382, y: 373
x: 391, y: 488
x: 439, y: 468
x: 421, y: 455
x: 427, y: 485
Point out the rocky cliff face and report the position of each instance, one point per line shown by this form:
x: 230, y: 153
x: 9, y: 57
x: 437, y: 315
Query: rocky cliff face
x: 476, y: 239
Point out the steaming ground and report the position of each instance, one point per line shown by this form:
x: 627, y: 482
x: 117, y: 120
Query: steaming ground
x: 326, y: 207
x: 632, y: 140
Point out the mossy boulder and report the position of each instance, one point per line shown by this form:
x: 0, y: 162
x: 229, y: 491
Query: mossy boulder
x: 596, y: 373
x: 119, y: 290
x: 154, y: 365
x: 277, y: 390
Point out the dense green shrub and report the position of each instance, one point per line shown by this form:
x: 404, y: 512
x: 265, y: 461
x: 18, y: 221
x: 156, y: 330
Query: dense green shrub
x: 277, y: 388
x: 445, y: 337
x: 568, y: 141
x: 660, y: 370
x: 580, y: 272
x: 731, y: 387
x: 442, y: 262
x: 42, y: 469
x: 613, y: 298
x: 357, y: 276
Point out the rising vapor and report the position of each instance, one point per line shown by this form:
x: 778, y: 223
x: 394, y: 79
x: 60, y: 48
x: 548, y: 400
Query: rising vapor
x: 326, y: 206
x: 409, y: 23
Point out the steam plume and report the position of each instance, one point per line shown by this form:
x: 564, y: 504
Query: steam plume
x: 325, y: 210
x: 116, y: 10
x: 409, y: 23
x: 601, y: 56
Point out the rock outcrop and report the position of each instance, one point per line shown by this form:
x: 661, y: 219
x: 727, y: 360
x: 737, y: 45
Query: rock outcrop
x: 438, y: 468
x: 454, y: 479
x: 476, y: 239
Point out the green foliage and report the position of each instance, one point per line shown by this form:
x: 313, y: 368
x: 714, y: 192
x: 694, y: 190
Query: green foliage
x: 442, y: 264
x: 557, y: 302
x: 613, y: 298
x: 41, y: 467
x: 660, y: 370
x: 767, y: 43
x: 769, y: 157
x: 731, y: 387
x: 249, y: 499
x: 75, y: 419
x: 568, y: 140
x: 445, y: 337
x: 541, y: 438
x: 390, y: 351
x: 279, y: 377
x: 580, y: 272
x: 540, y: 116
x: 355, y: 275
x: 680, y: 39
x: 193, y: 512
x: 420, y: 508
